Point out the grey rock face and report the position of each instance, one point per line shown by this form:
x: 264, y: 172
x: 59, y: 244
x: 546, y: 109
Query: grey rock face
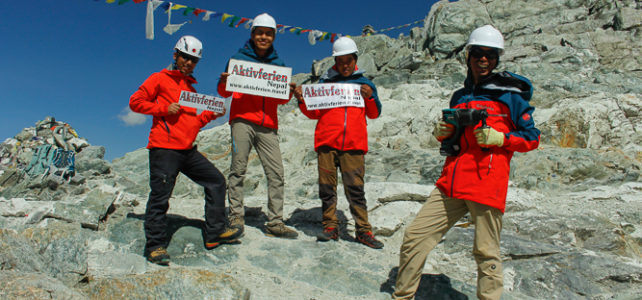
x: 168, y: 283
x: 28, y: 285
x: 91, y: 160
x: 572, y: 225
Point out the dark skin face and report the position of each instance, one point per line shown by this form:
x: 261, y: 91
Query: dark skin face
x: 262, y: 37
x: 185, y: 63
x: 346, y: 64
x: 483, y: 66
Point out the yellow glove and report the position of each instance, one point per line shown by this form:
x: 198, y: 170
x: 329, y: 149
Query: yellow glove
x: 487, y: 137
x: 443, y: 130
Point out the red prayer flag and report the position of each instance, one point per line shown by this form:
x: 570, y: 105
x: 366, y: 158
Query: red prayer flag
x: 243, y: 20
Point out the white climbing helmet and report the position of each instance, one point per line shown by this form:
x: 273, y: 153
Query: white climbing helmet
x: 190, y: 46
x: 486, y: 36
x: 344, y: 45
x: 264, y: 20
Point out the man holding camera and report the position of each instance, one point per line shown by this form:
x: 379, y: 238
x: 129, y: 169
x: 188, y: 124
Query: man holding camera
x: 474, y: 178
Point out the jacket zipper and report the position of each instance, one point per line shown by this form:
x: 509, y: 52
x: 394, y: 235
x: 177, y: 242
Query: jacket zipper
x: 345, y: 128
x: 167, y: 128
x: 452, y: 180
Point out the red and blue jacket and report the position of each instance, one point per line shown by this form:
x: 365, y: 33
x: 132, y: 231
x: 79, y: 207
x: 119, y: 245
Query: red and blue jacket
x: 259, y: 110
x: 154, y: 96
x: 344, y: 128
x: 482, y: 176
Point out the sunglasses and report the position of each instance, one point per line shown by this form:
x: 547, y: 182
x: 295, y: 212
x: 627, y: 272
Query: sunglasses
x: 194, y: 59
x: 477, y: 52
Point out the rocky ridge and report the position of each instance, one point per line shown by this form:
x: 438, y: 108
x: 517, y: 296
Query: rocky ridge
x: 572, y: 225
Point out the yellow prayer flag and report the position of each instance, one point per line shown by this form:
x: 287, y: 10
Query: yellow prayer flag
x: 224, y: 17
x: 178, y: 6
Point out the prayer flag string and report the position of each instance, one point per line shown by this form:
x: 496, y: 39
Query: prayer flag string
x: 235, y: 21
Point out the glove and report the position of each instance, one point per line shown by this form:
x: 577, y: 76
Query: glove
x: 488, y: 136
x: 443, y: 130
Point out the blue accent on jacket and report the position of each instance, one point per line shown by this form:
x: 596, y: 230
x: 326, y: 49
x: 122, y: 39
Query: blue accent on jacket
x: 247, y: 53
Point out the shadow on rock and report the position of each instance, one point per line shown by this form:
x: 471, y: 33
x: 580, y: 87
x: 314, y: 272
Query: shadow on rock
x: 255, y: 217
x: 308, y: 221
x: 174, y: 223
x: 431, y: 286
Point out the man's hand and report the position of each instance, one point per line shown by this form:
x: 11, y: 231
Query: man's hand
x: 223, y: 78
x: 293, y: 89
x: 366, y: 92
x: 443, y: 130
x: 173, y: 108
x: 221, y: 113
x: 487, y: 137
x: 298, y: 93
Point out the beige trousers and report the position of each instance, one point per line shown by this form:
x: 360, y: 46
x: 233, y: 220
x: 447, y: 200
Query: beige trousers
x: 265, y: 141
x: 435, y: 218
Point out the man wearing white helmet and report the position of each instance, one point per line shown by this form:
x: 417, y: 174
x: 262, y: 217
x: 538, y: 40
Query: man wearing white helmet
x: 341, y: 140
x: 474, y: 179
x: 254, y: 123
x: 172, y: 150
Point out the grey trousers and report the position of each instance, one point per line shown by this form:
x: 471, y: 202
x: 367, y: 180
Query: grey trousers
x: 265, y: 141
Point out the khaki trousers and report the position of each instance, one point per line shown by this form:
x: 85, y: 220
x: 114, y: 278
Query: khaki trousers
x: 435, y: 218
x: 246, y: 135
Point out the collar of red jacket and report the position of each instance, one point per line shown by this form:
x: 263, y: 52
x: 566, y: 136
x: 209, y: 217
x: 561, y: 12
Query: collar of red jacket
x: 171, y: 71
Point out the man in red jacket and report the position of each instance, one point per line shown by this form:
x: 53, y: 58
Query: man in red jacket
x: 254, y: 123
x: 474, y: 179
x: 172, y: 150
x: 341, y: 140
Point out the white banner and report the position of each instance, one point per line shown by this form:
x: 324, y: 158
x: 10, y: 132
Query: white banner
x: 331, y: 95
x: 258, y: 79
x: 202, y: 101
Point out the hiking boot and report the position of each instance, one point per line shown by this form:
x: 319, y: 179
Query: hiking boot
x: 280, y: 230
x: 368, y: 239
x: 237, y: 222
x: 329, y: 233
x: 229, y: 236
x: 159, y: 256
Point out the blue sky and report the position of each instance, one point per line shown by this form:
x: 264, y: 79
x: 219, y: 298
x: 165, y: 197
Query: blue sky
x: 80, y: 60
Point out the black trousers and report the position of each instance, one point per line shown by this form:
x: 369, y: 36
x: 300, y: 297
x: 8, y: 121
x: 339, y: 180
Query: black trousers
x: 164, y: 165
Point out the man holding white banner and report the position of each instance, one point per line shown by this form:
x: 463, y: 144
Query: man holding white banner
x: 254, y: 123
x: 341, y: 104
x: 172, y: 150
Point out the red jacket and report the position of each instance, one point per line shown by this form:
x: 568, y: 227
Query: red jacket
x: 256, y: 109
x: 482, y: 176
x: 344, y: 128
x: 154, y: 96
